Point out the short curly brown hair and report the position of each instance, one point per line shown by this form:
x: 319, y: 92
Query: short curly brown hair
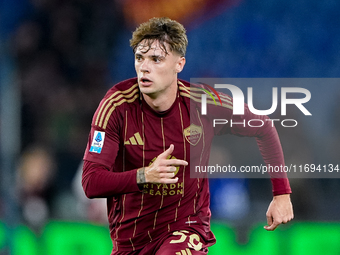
x: 163, y: 30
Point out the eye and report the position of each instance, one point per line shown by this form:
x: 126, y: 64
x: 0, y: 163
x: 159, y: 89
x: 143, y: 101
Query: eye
x: 156, y: 59
x: 138, y: 57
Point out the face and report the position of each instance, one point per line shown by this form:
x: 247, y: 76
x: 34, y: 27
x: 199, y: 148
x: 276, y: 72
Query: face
x: 156, y: 70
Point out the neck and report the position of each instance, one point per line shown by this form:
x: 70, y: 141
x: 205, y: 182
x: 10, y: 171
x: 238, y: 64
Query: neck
x: 162, y: 101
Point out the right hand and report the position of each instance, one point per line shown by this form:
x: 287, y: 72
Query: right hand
x: 162, y: 170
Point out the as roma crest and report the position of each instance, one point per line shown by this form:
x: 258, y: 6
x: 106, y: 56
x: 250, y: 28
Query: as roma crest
x: 193, y: 134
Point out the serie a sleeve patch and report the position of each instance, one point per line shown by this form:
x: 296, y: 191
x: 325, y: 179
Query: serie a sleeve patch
x: 97, y: 142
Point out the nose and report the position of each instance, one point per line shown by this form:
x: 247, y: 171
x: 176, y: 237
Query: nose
x: 144, y: 67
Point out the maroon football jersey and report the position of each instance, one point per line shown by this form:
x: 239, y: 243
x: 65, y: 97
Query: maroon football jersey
x: 127, y: 134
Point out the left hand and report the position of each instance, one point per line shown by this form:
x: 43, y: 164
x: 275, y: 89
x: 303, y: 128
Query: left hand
x: 280, y: 211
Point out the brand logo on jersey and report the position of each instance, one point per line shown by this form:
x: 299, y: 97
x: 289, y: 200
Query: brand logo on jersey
x: 97, y: 142
x: 193, y: 134
x: 136, y: 139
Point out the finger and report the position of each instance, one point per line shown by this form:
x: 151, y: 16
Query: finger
x: 175, y: 162
x: 287, y: 219
x: 271, y: 227
x: 269, y: 220
x: 168, y: 180
x: 269, y: 223
x: 167, y: 152
x: 166, y: 175
x: 166, y: 169
x: 290, y: 215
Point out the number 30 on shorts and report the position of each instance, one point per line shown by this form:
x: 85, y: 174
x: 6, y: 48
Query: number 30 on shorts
x: 194, y: 239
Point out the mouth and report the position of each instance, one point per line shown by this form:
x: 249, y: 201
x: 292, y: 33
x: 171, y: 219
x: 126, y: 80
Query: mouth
x: 145, y: 81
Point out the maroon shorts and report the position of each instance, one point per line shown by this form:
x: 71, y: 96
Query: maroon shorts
x: 183, y: 242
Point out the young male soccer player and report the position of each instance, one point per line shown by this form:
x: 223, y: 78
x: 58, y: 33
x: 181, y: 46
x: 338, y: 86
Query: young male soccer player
x: 138, y: 153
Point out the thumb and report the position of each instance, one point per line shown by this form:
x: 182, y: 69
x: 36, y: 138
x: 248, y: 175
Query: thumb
x: 166, y: 153
x: 269, y: 220
x: 271, y: 227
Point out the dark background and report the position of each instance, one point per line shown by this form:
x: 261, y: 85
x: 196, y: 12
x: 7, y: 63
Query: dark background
x: 58, y: 58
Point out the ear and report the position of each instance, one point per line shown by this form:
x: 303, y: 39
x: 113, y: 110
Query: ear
x: 180, y: 64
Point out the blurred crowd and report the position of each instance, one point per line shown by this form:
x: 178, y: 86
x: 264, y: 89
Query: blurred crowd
x: 67, y: 55
x: 61, y: 50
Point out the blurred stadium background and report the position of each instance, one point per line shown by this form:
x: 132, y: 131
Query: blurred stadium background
x: 58, y: 58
